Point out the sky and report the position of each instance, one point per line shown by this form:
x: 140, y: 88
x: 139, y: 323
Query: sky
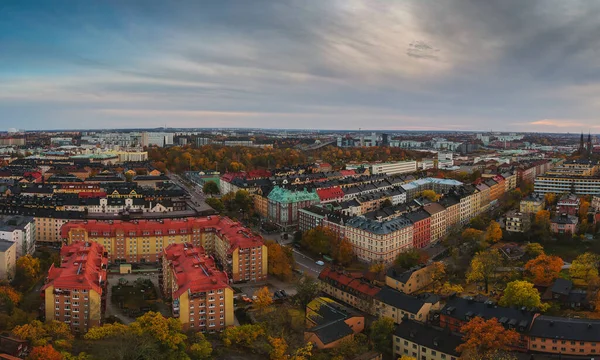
x: 501, y: 65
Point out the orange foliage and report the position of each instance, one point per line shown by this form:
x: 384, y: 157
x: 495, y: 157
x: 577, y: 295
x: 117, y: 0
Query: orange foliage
x: 544, y: 269
x: 11, y: 293
x: 280, y: 260
x: 485, y: 336
x: 46, y: 352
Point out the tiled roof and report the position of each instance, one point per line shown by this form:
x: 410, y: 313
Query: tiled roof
x: 352, y: 281
x: 279, y: 194
x: 561, y: 328
x: 83, y: 266
x: 194, y: 270
x: 330, y: 193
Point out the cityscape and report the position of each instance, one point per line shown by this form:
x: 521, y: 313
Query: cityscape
x: 261, y: 182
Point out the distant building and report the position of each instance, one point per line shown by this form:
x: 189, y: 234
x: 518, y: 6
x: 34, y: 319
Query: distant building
x: 374, y: 241
x: 517, y: 222
x: 568, y: 205
x: 202, y: 297
x: 419, y: 341
x: 564, y: 223
x: 284, y: 205
x: 74, y: 292
x: 201, y: 141
x: 20, y: 230
x: 532, y: 204
x: 159, y: 139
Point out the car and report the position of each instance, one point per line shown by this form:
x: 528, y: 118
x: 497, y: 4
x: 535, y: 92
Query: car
x: 283, y: 293
x: 320, y: 263
x: 276, y: 295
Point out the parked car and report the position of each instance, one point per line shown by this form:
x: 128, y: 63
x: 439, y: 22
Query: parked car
x: 283, y: 293
x: 320, y: 263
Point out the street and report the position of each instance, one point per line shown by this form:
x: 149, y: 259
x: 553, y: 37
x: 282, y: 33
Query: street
x: 197, y: 197
x: 307, y: 264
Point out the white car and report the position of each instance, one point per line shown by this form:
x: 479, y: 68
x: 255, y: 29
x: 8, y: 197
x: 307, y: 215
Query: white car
x: 320, y: 263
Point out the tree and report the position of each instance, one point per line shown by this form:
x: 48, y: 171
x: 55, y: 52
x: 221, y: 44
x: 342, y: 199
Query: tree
x: 262, y: 298
x: 485, y: 337
x: 448, y: 289
x: 200, y: 349
x: 437, y: 274
x: 45, y: 352
x: 534, y: 249
x: 280, y: 260
x: 40, y: 334
x: 210, y: 188
x: 521, y: 293
x: 318, y: 240
x: 302, y: 353
x: 409, y: 258
x: 386, y: 203
x: 13, y: 295
x: 216, y: 204
x: 27, y: 271
x: 166, y: 331
x: 542, y: 219
x: 483, y: 266
x: 381, y: 334
x: 544, y: 269
x: 472, y: 235
x: 307, y: 288
x: 341, y: 250
x: 585, y: 267
x: 584, y: 207
x: 244, y: 335
x: 405, y: 357
x: 278, y: 348
x: 550, y: 198
x: 377, y: 267
x: 493, y: 233
x: 349, y: 347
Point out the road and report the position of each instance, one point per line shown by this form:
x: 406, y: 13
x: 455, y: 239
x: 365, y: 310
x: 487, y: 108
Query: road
x: 197, y: 197
x: 307, y: 264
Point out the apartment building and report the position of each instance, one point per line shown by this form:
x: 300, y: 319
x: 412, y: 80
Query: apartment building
x: 561, y: 184
x: 484, y: 192
x: 374, y: 241
x: 425, y: 342
x: 510, y: 181
x: 568, y: 204
x: 284, y: 204
x: 20, y: 230
x: 398, y: 167
x: 517, y: 221
x: 241, y: 253
x: 400, y: 306
x: 421, y: 221
x: 350, y: 288
x: 201, y: 295
x: 411, y: 280
x: 75, y: 291
x: 452, y: 206
x: 469, y: 202
x: 565, y: 336
x: 564, y: 224
x: 595, y: 205
x: 532, y: 204
x: 437, y: 212
x: 8, y: 259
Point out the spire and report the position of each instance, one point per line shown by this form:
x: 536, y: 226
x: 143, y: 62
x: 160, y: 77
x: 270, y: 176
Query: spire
x: 589, y: 144
x: 581, y: 144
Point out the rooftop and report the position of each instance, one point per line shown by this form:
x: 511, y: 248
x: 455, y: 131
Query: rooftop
x: 551, y: 327
x: 427, y: 336
x: 400, y: 300
x: 376, y: 227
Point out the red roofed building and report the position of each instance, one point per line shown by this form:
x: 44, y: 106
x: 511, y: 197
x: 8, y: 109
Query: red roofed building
x: 75, y: 291
x: 202, y: 298
x: 241, y: 253
x: 331, y: 194
x: 351, y: 288
x: 348, y: 173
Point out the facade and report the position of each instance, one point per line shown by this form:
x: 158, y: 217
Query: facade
x: 421, y: 228
x: 517, y: 221
x: 565, y: 336
x: 399, y: 167
x: 202, y: 297
x: 284, y: 204
x: 241, y: 253
x: 424, y: 342
x: 452, y: 205
x: 400, y: 306
x: 561, y: 184
x: 563, y: 224
x: 374, y: 241
x: 328, y: 323
x: 311, y: 217
x: 75, y: 292
x: 159, y: 139
x: 596, y: 203
x: 532, y: 204
x: 568, y: 205
x: 20, y: 230
x: 48, y: 229
x: 8, y: 259
x: 409, y: 281
x: 438, y: 220
x: 350, y: 288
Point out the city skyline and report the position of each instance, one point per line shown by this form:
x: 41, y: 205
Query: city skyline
x: 414, y: 65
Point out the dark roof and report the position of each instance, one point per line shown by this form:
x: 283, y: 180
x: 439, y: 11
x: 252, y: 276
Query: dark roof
x: 428, y: 336
x: 552, y: 327
x: 465, y: 309
x: 417, y: 216
x: 402, y: 275
x: 151, y: 177
x: 562, y: 286
x: 402, y: 301
x: 448, y: 201
x: 324, y: 310
x: 331, y: 332
x: 5, y: 244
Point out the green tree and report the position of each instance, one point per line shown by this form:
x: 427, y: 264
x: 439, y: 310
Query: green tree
x: 381, y: 334
x: 200, y: 348
x: 521, y: 293
x: 483, y: 267
x: 307, y: 288
x: 216, y: 204
x: 534, y: 249
x: 210, y: 188
x: 318, y: 240
x: 409, y: 258
x: 243, y: 335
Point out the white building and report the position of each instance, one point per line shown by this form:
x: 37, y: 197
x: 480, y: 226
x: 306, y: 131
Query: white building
x: 157, y: 138
x: 399, y: 167
x: 20, y: 230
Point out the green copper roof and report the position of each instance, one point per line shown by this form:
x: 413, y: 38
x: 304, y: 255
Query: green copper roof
x: 286, y: 196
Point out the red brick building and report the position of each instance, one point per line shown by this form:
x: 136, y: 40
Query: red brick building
x: 75, y: 292
x: 421, y: 228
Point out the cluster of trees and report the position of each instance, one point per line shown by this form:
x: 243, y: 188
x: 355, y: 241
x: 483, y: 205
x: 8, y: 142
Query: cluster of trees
x: 324, y: 241
x: 227, y: 158
x: 239, y: 202
x: 280, y: 262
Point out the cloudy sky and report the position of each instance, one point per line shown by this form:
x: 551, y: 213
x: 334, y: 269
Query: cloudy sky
x: 508, y: 65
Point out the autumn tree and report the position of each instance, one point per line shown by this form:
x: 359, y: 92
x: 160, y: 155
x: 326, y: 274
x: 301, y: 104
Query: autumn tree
x: 307, y: 288
x: 485, y: 337
x: 40, y: 334
x: 280, y: 261
x: 166, y: 331
x: 449, y: 289
x: 542, y: 223
x: 406, y: 357
x: 437, y: 272
x: 493, y: 233
x: 544, y: 269
x: 27, y: 270
x: 386, y: 203
x: 349, y: 347
x: 216, y: 204
x: 210, y: 188
x: 200, y: 348
x: 521, y: 293
x: 278, y: 348
x: 318, y: 240
x: 472, y: 235
x: 377, y: 267
x: 410, y: 258
x: 534, y: 249
x: 430, y: 195
x: 262, y: 298
x: 483, y: 267
x: 585, y: 267
x: 584, y: 207
x: 550, y: 198
x: 341, y: 250
x: 243, y: 335
x: 44, y: 352
x: 380, y: 334
x: 11, y: 294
